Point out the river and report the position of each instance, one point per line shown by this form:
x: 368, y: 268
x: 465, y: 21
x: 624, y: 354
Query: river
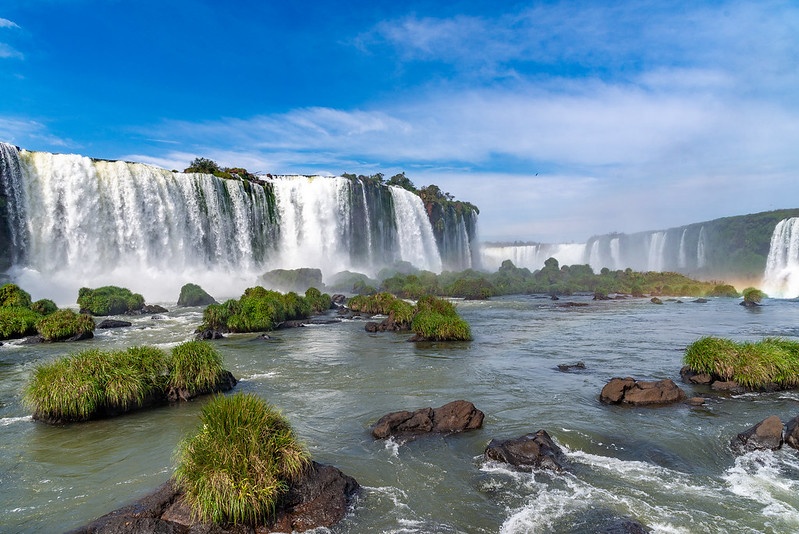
x: 668, y: 467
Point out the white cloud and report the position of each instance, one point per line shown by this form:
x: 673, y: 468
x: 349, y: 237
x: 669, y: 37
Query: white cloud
x: 5, y: 23
x: 7, y: 52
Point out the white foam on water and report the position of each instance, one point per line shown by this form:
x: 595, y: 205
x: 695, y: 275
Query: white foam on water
x: 5, y: 421
x: 259, y: 376
x: 759, y: 476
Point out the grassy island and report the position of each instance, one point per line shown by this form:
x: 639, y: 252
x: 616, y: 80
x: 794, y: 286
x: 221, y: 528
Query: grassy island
x: 240, y: 461
x: 431, y: 319
x: 772, y: 363
x: 93, y: 383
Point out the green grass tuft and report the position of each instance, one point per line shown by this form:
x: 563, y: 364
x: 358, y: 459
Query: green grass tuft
x: 754, y: 365
x: 195, y: 366
x: 16, y: 322
x: 239, y: 462
x: 64, y: 324
x: 109, y: 300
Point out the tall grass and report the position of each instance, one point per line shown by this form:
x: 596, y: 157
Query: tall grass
x: 435, y: 326
x: 64, y: 324
x: 195, y: 366
x: 235, y: 467
x: 754, y: 365
x: 16, y: 321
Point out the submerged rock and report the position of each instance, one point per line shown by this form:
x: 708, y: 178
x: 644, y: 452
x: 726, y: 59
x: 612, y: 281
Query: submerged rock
x: 456, y: 416
x: 565, y: 367
x: 319, y: 499
x: 113, y: 323
x: 209, y: 334
x: 641, y: 393
x: 527, y: 452
x: 766, y: 435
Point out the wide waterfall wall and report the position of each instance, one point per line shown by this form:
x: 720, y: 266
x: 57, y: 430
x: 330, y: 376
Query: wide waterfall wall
x: 781, y: 278
x: 70, y: 221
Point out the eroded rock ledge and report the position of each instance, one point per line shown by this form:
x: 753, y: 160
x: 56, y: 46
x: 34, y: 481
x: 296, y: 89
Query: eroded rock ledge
x: 641, y: 393
x: 320, y: 499
x: 456, y: 416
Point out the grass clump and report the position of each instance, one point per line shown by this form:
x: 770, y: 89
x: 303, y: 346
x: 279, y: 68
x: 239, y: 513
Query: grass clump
x: 64, y: 324
x: 752, y: 295
x: 14, y: 296
x: 239, y: 462
x: 44, y: 306
x: 437, y: 320
x: 318, y: 301
x: 17, y: 321
x: 195, y: 366
x: 109, y: 300
x: 766, y: 364
x: 258, y: 310
x: 94, y: 383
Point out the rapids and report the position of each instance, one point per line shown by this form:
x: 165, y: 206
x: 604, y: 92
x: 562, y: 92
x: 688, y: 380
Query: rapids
x: 668, y: 467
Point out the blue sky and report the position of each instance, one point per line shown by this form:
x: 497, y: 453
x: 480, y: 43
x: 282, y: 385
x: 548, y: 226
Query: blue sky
x: 560, y: 120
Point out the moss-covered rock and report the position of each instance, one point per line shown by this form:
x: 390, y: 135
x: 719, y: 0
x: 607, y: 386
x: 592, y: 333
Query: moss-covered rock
x: 194, y: 295
x: 109, y: 300
x: 13, y: 295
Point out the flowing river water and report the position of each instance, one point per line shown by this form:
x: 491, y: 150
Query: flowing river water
x: 668, y: 467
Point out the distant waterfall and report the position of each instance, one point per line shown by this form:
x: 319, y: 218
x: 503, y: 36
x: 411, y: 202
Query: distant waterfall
x: 701, y: 254
x: 683, y: 258
x: 71, y: 221
x: 657, y: 244
x: 416, y: 241
x: 781, y: 278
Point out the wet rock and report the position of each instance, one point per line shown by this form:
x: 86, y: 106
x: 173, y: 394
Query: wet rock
x: 700, y: 301
x: 319, y: 499
x: 338, y: 299
x: 225, y: 382
x: 262, y: 337
x: 32, y: 340
x: 113, y: 323
x: 565, y: 367
x: 792, y: 433
x: 82, y: 336
x: 689, y: 376
x: 529, y: 451
x: 599, y: 521
x: 655, y: 300
x: 295, y: 323
x: 766, y: 435
x: 456, y: 416
x: 695, y: 401
x: 641, y: 393
x: 726, y: 385
x: 209, y: 334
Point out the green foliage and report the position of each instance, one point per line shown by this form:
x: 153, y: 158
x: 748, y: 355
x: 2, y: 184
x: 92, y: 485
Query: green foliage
x: 78, y: 387
x: 723, y: 290
x: 16, y: 322
x: 292, y: 279
x: 373, y: 304
x: 109, y: 300
x: 194, y: 295
x: 437, y: 320
x: 44, y: 306
x: 317, y: 300
x: 400, y: 180
x: 195, y: 366
x: 772, y: 362
x: 753, y: 295
x: 216, y: 316
x: 64, y: 324
x: 203, y: 165
x: 240, y: 461
x: 11, y: 295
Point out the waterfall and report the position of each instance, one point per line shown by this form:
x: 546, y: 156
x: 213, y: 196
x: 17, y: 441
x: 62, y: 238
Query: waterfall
x: 781, y: 278
x: 416, y: 241
x: 69, y: 221
x: 615, y: 253
x: 657, y: 245
x: 682, y: 260
x: 701, y: 257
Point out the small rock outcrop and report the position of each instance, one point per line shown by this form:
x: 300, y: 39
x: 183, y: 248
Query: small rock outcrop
x: 527, y: 452
x: 456, y: 416
x: 568, y: 367
x: 113, y: 323
x: 689, y: 376
x: 641, y: 393
x: 319, y: 499
x: 766, y: 435
x: 792, y: 433
x: 194, y: 295
x: 209, y: 334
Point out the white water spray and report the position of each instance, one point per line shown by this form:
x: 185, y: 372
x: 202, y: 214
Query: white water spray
x: 781, y: 278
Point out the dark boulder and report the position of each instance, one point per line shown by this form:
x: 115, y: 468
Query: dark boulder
x: 792, y: 433
x: 700, y: 301
x: 113, y: 323
x: 527, y: 452
x: 766, y: 435
x: 689, y: 376
x: 319, y: 499
x: 456, y: 416
x: 641, y: 393
x: 294, y: 323
x: 655, y: 300
x: 209, y: 334
x: 81, y: 336
x: 566, y: 367
x: 598, y: 521
x: 225, y: 382
x: 338, y: 299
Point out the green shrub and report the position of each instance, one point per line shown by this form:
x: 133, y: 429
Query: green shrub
x: 109, y: 300
x: 11, y: 295
x: 317, y: 300
x: 195, y: 366
x: 435, y: 326
x: 216, y: 316
x: 64, y: 324
x: 753, y: 295
x: 723, y: 290
x: 44, y: 306
x: 16, y: 322
x: 194, y: 295
x: 372, y: 304
x: 767, y: 363
x: 239, y: 462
